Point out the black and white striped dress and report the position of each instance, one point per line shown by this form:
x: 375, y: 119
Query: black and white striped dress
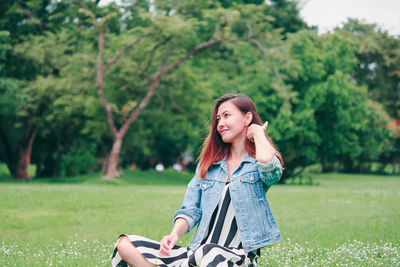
x: 220, y: 247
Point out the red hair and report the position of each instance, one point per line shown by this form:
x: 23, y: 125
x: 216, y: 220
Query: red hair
x: 213, y: 148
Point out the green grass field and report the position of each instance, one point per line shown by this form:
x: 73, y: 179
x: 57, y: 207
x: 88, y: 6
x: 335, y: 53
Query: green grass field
x: 350, y: 220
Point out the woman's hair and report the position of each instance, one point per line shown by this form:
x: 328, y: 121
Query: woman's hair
x: 213, y: 148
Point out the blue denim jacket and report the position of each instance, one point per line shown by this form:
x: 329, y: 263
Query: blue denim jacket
x: 248, y: 186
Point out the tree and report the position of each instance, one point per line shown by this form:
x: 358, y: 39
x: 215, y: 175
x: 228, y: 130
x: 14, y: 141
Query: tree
x: 22, y: 18
x: 176, y: 39
x: 10, y: 101
x: 326, y: 119
x: 379, y: 70
x: 379, y: 63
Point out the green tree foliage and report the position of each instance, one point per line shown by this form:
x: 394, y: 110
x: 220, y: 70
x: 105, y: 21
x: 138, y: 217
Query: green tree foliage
x: 379, y: 63
x: 168, y: 36
x: 340, y: 109
x: 286, y: 16
x: 328, y: 98
x: 24, y: 19
x: 63, y: 99
x: 10, y: 101
x: 379, y: 70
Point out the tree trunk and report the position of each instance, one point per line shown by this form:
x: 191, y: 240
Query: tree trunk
x: 25, y: 154
x: 112, y: 160
x: 23, y: 163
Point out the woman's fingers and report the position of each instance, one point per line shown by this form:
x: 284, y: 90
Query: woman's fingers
x: 167, y: 243
x: 265, y: 125
x: 164, y: 246
x: 164, y: 251
x: 174, y: 240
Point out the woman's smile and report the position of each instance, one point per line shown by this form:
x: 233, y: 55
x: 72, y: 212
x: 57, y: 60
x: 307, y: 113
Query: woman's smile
x: 222, y: 131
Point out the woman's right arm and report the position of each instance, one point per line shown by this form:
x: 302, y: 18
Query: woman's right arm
x: 190, y: 210
x: 186, y: 218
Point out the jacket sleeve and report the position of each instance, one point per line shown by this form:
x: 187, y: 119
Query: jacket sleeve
x: 190, y: 210
x: 270, y: 172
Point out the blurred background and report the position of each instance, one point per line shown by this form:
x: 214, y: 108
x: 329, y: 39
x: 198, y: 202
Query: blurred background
x: 102, y: 86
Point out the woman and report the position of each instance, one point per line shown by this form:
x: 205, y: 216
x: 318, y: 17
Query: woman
x: 226, y: 197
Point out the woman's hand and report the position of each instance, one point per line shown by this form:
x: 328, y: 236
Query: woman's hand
x: 264, y: 150
x: 167, y: 243
x: 255, y: 129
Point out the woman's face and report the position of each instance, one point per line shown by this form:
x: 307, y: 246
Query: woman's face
x: 231, y: 123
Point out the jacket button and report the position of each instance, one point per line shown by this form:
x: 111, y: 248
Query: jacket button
x: 237, y: 209
x: 241, y: 229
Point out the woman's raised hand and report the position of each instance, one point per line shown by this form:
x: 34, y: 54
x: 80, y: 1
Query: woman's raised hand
x: 254, y: 129
x: 167, y: 243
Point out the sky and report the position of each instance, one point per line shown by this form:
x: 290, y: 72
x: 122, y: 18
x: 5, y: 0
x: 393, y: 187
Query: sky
x: 327, y: 14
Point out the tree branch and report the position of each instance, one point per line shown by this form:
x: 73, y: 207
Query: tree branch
x: 101, y: 68
x: 165, y: 57
x: 135, y: 113
x: 156, y: 80
x: 253, y: 41
x: 188, y: 55
x: 92, y: 15
x: 217, y: 28
x: 166, y: 40
x: 257, y: 44
x: 100, y: 90
x: 123, y: 50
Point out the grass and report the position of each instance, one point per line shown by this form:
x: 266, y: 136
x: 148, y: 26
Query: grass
x: 340, y: 220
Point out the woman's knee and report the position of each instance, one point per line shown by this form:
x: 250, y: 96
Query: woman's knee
x: 124, y: 244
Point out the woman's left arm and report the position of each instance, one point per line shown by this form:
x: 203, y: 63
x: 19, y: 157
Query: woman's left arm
x: 269, y: 165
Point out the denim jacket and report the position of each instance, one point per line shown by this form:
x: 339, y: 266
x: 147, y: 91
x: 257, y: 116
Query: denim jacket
x: 249, y: 183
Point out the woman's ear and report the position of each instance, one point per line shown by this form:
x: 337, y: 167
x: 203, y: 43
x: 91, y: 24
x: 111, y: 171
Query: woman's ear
x: 249, y: 118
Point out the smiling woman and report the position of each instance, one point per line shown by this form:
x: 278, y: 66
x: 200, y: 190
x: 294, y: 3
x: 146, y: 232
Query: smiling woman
x: 226, y: 198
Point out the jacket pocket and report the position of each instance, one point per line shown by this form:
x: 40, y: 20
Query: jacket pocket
x: 251, y: 177
x: 206, y: 187
x: 252, y: 184
x: 206, y: 184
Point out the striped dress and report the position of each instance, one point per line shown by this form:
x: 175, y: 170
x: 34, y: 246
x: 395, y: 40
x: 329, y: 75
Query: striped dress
x: 220, y: 247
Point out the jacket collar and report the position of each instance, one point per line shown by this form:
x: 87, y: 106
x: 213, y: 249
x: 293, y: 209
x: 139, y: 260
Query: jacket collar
x: 247, y: 158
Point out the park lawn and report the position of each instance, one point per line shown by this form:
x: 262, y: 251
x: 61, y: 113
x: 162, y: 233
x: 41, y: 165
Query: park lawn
x: 341, y: 219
